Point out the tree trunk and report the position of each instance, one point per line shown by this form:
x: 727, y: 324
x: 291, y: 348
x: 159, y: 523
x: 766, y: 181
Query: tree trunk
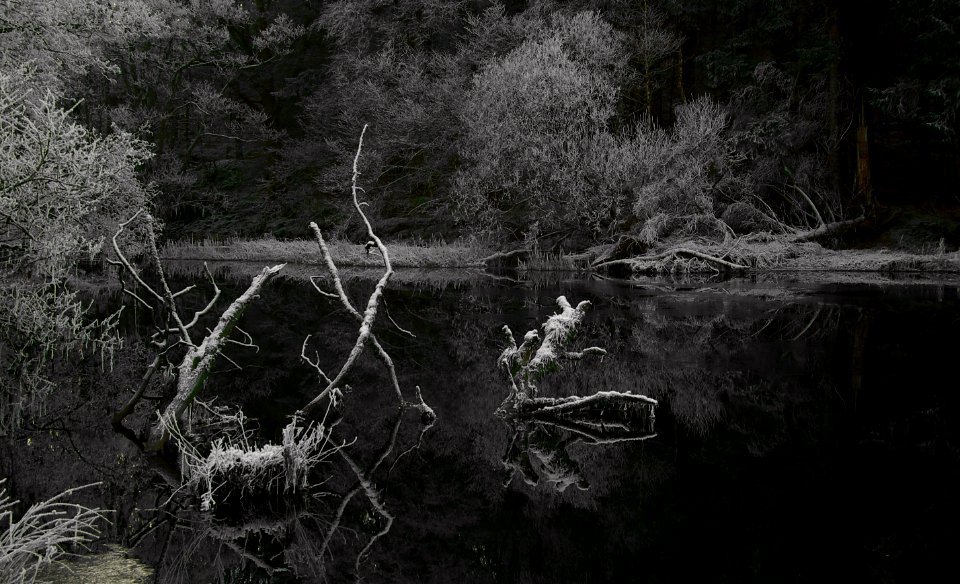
x: 833, y: 104
x: 680, y: 90
x: 647, y: 85
x: 864, y: 182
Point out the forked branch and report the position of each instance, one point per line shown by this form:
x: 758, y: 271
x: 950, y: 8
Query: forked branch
x: 369, y: 315
x: 172, y: 331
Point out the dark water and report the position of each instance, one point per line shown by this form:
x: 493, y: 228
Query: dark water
x: 806, y: 432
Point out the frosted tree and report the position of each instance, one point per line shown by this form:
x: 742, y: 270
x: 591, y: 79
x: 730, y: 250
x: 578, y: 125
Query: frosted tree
x: 53, y: 42
x: 681, y: 172
x: 62, y: 187
x: 535, y: 128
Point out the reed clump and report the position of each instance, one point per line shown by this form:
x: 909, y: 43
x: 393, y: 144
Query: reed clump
x: 234, y: 462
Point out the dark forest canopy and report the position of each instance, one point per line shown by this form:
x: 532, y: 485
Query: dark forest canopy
x: 573, y: 121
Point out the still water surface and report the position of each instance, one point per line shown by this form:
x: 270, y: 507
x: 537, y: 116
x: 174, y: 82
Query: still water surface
x: 805, y: 432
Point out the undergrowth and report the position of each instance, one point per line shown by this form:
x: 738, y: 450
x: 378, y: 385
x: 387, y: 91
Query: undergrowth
x: 234, y: 462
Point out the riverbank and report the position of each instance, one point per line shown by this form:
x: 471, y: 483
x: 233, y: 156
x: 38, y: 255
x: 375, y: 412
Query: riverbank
x: 744, y: 257
x: 406, y: 254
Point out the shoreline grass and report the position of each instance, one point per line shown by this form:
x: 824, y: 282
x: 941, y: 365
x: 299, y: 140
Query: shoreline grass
x: 404, y: 254
x: 761, y: 257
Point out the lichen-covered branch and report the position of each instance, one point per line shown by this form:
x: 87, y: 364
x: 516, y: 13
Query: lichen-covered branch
x: 603, y: 416
x: 172, y: 331
x: 196, y: 363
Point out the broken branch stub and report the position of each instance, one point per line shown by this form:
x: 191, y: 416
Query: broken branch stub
x: 526, y: 365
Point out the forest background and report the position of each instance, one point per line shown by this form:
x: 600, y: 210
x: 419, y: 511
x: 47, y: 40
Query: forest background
x: 736, y: 133
x: 571, y: 122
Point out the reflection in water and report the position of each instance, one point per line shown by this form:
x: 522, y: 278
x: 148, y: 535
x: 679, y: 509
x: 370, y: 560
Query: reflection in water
x: 544, y: 427
x: 787, y: 421
x: 283, y: 538
x: 544, y: 438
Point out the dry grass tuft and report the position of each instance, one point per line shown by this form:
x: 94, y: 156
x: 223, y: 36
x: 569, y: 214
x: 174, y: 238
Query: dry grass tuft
x: 43, y: 535
x: 235, y: 463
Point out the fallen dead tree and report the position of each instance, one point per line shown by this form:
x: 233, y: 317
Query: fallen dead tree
x: 527, y: 364
x: 657, y: 262
x: 748, y: 252
x: 544, y: 427
x: 231, y: 462
x: 173, y: 331
x: 502, y: 259
x: 826, y: 229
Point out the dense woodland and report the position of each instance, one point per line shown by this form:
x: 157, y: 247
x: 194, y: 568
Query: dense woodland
x: 570, y: 121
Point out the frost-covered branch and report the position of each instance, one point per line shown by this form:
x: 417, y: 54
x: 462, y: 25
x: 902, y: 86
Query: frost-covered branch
x: 173, y: 331
x: 196, y: 363
x: 601, y: 417
x: 315, y: 362
x: 369, y: 314
x: 528, y: 363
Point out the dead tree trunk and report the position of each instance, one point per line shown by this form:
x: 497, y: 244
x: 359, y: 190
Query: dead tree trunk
x: 864, y: 180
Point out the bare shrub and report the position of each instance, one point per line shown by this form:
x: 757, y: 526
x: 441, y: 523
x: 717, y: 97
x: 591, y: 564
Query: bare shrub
x: 535, y: 138
x: 680, y: 173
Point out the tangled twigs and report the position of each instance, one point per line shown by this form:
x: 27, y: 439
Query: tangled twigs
x: 647, y: 262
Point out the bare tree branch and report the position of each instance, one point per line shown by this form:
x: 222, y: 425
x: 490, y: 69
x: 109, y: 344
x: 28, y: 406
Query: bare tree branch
x: 370, y: 313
